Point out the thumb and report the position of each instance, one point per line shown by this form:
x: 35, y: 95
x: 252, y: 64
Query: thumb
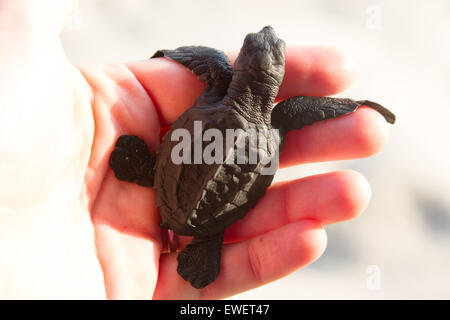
x: 48, y: 16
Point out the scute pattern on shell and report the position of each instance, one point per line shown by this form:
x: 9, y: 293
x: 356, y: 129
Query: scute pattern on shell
x: 195, y: 201
x: 202, y: 200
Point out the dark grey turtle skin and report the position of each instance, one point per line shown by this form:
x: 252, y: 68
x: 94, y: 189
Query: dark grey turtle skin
x: 203, y: 199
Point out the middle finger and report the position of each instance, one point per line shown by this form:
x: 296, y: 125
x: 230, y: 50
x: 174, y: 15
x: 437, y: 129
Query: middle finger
x: 327, y: 198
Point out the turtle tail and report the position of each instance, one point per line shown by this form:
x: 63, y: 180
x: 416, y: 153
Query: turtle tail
x: 199, y: 262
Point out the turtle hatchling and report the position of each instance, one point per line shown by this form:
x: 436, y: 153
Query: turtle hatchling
x: 205, y: 183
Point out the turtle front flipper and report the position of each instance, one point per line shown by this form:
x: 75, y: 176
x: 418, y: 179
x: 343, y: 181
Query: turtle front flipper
x: 210, y: 65
x: 131, y: 161
x: 297, y: 112
x: 199, y: 262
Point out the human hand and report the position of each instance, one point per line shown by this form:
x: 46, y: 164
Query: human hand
x: 70, y: 229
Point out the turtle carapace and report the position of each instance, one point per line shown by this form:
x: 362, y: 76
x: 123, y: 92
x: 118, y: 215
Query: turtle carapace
x: 203, y: 198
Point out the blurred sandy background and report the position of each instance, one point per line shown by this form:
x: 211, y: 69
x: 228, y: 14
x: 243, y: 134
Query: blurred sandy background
x: 400, y: 246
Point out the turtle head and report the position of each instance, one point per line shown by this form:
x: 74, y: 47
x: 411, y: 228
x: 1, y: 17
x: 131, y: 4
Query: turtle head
x: 262, y: 56
x: 257, y: 75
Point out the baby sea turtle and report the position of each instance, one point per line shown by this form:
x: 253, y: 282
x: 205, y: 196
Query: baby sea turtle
x: 201, y: 198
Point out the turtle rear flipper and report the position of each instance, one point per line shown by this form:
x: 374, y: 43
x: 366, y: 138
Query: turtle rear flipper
x: 297, y: 112
x: 131, y: 161
x: 199, y: 262
x: 210, y: 65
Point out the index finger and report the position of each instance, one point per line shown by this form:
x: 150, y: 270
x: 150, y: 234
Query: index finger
x: 309, y: 71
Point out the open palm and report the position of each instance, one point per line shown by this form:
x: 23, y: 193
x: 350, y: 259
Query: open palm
x: 70, y: 229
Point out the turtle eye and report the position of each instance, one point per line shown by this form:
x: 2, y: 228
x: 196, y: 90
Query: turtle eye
x: 251, y: 43
x: 261, y: 60
x: 278, y: 52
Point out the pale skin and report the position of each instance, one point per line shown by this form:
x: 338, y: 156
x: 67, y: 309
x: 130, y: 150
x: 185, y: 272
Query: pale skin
x: 69, y: 229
